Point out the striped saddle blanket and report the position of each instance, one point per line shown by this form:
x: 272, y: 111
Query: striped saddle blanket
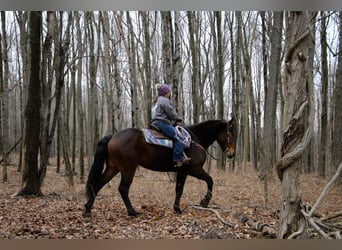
x: 155, y: 137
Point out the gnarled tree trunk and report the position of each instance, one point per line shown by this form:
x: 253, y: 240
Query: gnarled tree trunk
x: 296, y: 136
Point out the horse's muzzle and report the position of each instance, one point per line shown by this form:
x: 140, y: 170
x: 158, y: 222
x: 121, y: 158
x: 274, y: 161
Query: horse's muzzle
x: 229, y: 153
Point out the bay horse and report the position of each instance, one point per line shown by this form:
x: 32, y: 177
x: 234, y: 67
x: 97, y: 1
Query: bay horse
x: 127, y: 149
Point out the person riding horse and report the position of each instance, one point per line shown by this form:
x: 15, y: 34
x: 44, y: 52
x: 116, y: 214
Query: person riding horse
x: 163, y: 114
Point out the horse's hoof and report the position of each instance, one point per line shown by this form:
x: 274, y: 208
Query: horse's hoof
x: 177, y: 210
x: 134, y: 214
x: 86, y: 214
x: 204, y: 203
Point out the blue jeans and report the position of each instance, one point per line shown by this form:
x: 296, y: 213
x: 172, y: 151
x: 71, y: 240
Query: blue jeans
x: 170, y: 132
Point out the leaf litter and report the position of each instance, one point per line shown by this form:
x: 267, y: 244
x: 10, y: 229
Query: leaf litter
x: 236, y: 196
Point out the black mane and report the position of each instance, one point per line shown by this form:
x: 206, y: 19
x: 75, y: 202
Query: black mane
x: 206, y: 132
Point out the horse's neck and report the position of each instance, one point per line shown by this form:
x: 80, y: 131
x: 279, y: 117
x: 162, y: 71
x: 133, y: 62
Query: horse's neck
x: 202, y: 136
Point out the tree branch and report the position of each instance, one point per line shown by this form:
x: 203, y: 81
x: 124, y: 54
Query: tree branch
x: 216, y: 213
x: 295, y: 44
x: 15, y: 145
x: 295, y: 154
x: 308, y: 216
x: 326, y: 189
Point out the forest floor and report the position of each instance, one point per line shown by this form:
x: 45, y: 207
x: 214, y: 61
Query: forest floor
x: 58, y: 215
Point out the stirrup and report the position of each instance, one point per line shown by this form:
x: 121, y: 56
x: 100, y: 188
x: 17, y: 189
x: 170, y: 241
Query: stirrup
x: 185, y: 161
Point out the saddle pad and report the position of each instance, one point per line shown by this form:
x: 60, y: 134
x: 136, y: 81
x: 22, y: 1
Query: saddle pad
x: 152, y: 139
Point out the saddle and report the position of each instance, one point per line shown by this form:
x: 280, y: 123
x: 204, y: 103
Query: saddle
x: 154, y: 136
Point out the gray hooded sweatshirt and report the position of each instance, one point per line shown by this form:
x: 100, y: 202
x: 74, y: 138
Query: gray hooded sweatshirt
x: 164, y: 111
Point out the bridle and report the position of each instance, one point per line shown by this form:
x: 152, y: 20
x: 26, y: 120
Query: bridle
x: 229, y: 136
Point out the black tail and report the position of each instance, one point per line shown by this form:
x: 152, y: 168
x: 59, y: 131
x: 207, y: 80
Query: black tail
x: 98, y: 165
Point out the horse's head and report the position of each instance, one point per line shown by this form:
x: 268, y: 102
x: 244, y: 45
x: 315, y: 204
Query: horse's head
x: 227, y: 138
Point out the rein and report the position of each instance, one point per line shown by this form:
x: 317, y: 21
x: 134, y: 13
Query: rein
x: 200, y: 146
x: 206, y: 150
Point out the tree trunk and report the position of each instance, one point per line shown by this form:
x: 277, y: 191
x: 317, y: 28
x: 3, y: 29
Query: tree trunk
x: 93, y: 131
x: 337, y: 125
x: 46, y: 79
x: 220, y: 81
x: 296, y: 136
x: 233, y: 75
x: 177, y: 66
x: 268, y: 155
x: 131, y: 52
x: 80, y: 110
x: 22, y: 18
x: 147, y: 97
x: 195, y: 67
x: 4, y: 95
x: 3, y: 103
x: 237, y: 89
x: 324, y: 94
x: 30, y: 178
x: 107, y: 75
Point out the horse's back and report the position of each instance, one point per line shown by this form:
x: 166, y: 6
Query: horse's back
x: 129, y: 147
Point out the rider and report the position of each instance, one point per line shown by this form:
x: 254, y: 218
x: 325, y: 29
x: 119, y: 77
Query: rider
x: 163, y: 114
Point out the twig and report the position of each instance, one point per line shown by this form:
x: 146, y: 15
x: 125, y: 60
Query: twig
x: 215, y: 212
x: 331, y: 216
x: 337, y: 235
x: 326, y: 189
x: 314, y: 225
x: 308, y: 216
x: 6, y: 154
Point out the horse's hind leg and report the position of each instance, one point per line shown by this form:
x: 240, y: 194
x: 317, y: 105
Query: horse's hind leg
x: 107, y: 175
x: 126, y: 181
x: 181, y: 177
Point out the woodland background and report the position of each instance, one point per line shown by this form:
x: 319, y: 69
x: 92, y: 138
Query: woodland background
x: 69, y: 78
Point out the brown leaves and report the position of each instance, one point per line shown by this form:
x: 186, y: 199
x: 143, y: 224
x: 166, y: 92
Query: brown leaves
x: 58, y: 215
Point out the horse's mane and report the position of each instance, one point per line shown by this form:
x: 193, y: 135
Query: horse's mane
x: 207, y: 123
x: 206, y: 131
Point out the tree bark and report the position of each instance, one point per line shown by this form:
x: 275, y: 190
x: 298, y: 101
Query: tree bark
x: 4, y: 96
x: 268, y: 155
x: 195, y: 67
x: 30, y: 178
x: 296, y: 136
x: 79, y: 97
x: 324, y: 95
x: 337, y: 125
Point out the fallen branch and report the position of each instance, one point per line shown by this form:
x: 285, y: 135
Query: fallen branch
x: 308, y: 215
x: 258, y: 226
x: 216, y: 213
x: 331, y: 216
x: 326, y: 189
x: 314, y: 225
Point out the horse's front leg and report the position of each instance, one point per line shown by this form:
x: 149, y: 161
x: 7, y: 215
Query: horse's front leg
x: 181, y: 177
x: 202, y: 175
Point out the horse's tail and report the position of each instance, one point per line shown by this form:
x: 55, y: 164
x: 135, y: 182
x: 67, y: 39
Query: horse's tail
x: 98, y: 165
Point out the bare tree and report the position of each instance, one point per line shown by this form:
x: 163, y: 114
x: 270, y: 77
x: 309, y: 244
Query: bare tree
x: 296, y: 137
x: 195, y: 65
x: 268, y: 155
x: 324, y: 95
x: 22, y: 19
x: 4, y: 99
x: 337, y: 124
x: 79, y: 96
x: 30, y: 177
